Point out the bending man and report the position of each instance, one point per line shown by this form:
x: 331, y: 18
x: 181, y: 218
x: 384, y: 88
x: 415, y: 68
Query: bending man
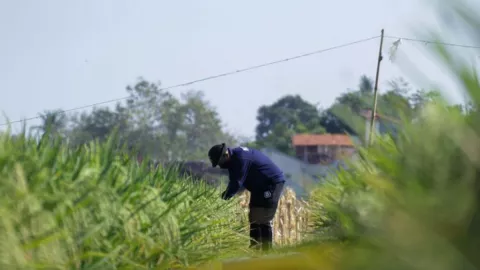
x: 250, y: 169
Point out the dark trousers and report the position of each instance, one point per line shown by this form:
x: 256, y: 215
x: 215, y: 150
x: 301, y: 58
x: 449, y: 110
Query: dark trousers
x: 261, y: 216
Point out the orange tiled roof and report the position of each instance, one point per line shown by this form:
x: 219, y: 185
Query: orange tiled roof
x: 321, y: 139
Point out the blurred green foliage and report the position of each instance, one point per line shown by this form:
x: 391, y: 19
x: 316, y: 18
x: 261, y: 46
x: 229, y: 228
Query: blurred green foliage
x: 92, y: 207
x: 413, y: 203
x: 408, y: 203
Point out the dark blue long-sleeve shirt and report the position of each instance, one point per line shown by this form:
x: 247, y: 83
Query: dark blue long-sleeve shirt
x: 252, y: 170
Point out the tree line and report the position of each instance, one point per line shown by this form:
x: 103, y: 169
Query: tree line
x: 166, y: 128
x: 291, y: 114
x: 151, y: 121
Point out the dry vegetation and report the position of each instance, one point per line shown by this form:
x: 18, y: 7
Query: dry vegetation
x: 291, y: 221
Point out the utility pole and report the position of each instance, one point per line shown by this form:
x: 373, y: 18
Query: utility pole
x: 375, y: 92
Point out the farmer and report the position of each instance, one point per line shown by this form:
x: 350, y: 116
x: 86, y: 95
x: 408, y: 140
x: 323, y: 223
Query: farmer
x: 250, y: 169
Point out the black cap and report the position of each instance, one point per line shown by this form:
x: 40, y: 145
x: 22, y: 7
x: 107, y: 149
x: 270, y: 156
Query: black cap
x: 215, y: 153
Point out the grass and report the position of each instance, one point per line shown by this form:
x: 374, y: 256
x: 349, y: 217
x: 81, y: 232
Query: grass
x: 95, y: 207
x: 91, y: 208
x: 412, y: 203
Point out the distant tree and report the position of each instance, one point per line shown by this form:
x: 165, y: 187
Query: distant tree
x: 421, y: 97
x: 366, y: 85
x: 53, y: 122
x: 98, y: 124
x: 347, y: 113
x: 246, y: 141
x: 167, y: 128
x: 144, y: 109
x: 399, y: 86
x: 341, y: 119
x: 201, y: 126
x: 278, y: 122
x: 155, y: 123
x: 394, y: 105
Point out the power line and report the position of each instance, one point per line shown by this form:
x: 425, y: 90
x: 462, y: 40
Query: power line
x: 434, y: 42
x: 211, y: 77
x: 257, y: 67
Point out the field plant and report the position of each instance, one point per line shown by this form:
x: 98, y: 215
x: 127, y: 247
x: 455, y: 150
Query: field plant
x: 413, y: 202
x: 93, y: 207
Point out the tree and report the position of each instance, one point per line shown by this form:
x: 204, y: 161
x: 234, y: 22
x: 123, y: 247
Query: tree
x: 155, y: 123
x: 201, y: 126
x: 347, y: 113
x: 366, y: 85
x: 399, y: 86
x: 53, y: 122
x: 144, y: 109
x: 99, y: 124
x: 341, y: 119
x: 287, y: 116
x: 421, y: 97
x: 394, y: 105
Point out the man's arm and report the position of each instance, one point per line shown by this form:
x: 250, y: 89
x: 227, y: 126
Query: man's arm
x: 236, y: 180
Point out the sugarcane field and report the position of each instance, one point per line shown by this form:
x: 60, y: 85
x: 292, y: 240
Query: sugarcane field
x: 253, y: 135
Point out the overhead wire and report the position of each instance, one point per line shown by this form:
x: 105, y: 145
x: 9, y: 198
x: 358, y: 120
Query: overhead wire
x: 433, y: 42
x: 253, y: 68
x: 208, y: 78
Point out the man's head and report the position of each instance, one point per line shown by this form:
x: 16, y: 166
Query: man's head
x: 219, y: 155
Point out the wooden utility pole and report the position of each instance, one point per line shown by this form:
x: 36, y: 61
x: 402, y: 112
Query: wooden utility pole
x: 375, y: 92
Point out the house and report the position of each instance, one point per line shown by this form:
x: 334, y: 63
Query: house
x: 322, y: 148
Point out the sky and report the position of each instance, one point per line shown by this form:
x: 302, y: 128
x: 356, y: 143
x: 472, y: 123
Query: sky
x: 57, y: 54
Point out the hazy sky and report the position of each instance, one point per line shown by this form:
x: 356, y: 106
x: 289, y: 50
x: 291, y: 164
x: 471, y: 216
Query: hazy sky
x: 65, y: 54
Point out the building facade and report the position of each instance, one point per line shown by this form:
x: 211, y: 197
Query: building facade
x: 322, y: 148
